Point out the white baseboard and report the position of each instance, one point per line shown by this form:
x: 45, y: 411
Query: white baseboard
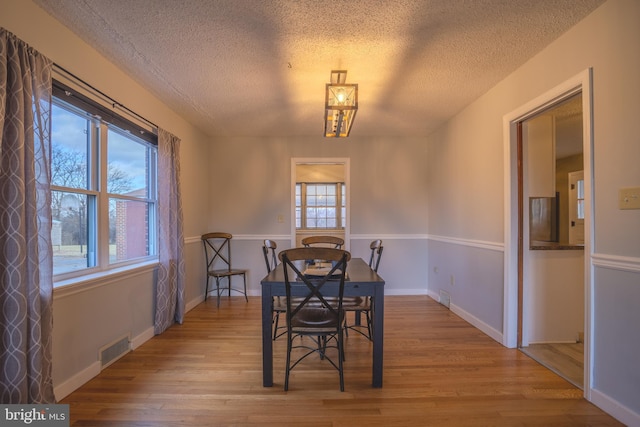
x: 142, y: 338
x: 75, y: 382
x: 493, y: 333
x: 396, y: 292
x: 474, y: 321
x: 433, y: 295
x: 194, y: 302
x: 615, y: 409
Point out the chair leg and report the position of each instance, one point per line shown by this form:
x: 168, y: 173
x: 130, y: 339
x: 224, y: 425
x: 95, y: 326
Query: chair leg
x: 218, y: 291
x: 346, y: 327
x: 341, y: 359
x: 369, y: 331
x: 244, y: 279
x: 286, y: 374
x: 276, y: 318
x: 206, y: 288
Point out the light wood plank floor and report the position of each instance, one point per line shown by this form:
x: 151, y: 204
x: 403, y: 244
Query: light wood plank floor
x: 438, y: 371
x: 565, y: 359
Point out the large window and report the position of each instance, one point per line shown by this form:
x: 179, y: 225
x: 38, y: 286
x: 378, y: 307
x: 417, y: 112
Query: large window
x: 103, y: 193
x: 320, y: 206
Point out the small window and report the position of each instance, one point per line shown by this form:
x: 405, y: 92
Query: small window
x: 320, y: 206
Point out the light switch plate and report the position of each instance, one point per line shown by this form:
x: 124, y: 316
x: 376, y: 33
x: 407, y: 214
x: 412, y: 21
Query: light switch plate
x: 629, y: 198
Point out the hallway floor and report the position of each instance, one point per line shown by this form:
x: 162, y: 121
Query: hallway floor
x: 565, y: 359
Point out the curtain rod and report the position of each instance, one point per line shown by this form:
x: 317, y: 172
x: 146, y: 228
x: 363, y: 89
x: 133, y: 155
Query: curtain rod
x: 114, y: 103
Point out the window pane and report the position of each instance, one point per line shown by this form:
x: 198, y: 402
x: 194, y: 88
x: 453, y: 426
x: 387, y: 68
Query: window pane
x: 70, y: 137
x: 298, y: 217
x: 580, y: 188
x: 580, y: 185
x: 128, y: 229
x: 311, y: 213
x: 71, y: 236
x: 580, y: 212
x: 127, y: 165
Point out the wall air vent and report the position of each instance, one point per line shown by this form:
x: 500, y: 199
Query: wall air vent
x: 114, y: 351
x: 445, y: 298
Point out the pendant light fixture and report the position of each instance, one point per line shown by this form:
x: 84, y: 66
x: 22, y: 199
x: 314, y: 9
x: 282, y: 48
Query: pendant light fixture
x: 341, y: 105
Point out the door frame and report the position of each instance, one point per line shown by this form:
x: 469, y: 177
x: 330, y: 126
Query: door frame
x: 581, y: 82
x: 347, y: 176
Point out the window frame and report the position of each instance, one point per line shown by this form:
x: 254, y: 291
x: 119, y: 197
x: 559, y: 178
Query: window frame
x: 101, y: 122
x: 340, y: 206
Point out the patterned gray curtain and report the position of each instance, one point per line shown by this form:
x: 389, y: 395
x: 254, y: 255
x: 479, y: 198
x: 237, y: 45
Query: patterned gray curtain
x: 26, y: 265
x: 170, y: 304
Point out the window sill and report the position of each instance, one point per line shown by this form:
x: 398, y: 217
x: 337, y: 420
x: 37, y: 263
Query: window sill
x: 84, y: 283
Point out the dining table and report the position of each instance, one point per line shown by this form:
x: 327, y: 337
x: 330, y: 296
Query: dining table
x: 360, y: 281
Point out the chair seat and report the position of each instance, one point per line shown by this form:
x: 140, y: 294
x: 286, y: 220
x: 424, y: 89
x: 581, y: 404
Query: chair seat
x: 356, y: 303
x: 315, y: 318
x: 225, y: 272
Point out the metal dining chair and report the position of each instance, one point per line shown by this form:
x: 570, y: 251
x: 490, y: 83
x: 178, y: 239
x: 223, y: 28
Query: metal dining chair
x: 326, y: 241
x: 278, y: 304
x: 217, y: 253
x: 311, y: 313
x: 359, y: 305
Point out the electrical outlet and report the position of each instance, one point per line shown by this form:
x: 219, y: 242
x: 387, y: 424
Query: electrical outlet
x: 629, y: 198
x: 281, y: 218
x: 452, y: 280
x: 435, y: 270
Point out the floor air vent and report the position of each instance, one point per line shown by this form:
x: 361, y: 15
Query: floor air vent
x: 114, y: 351
x: 445, y: 298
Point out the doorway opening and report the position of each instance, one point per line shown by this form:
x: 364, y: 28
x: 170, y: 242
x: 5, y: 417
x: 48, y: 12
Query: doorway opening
x: 551, y: 318
x: 320, y: 198
x: 530, y: 197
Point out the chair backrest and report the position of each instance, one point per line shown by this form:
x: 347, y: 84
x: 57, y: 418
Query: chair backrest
x: 328, y: 241
x: 217, y: 250
x: 376, y: 254
x: 313, y: 298
x: 269, y: 251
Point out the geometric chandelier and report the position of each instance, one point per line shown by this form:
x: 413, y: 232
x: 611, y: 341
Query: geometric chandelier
x: 340, y: 106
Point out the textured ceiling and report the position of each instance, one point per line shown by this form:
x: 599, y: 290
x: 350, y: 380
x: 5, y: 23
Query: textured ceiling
x: 258, y: 67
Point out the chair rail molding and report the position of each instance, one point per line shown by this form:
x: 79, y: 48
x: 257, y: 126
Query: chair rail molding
x: 481, y: 244
x: 616, y: 262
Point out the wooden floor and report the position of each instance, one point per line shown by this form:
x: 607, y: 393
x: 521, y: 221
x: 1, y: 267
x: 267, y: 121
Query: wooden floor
x: 438, y: 371
x: 565, y: 359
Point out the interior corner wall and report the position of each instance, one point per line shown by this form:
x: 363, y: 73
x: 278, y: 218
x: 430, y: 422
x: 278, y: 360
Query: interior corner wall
x: 97, y: 313
x: 465, y: 188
